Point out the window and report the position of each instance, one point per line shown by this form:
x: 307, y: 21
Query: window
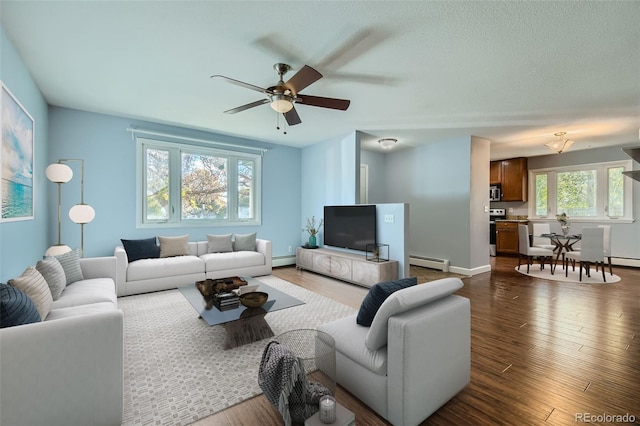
x: 189, y: 185
x: 588, y: 192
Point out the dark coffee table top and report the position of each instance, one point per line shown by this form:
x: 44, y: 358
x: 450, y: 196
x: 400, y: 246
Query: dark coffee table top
x: 277, y: 300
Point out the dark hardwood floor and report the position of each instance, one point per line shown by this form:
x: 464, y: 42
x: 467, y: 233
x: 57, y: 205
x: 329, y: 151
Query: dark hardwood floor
x: 542, y: 352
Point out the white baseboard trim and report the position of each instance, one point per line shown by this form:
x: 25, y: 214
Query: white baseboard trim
x: 470, y: 271
x: 284, y: 260
x: 626, y: 261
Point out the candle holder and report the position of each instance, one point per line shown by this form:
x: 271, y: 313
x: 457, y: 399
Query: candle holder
x: 327, y: 413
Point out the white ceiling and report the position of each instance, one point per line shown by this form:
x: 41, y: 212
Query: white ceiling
x: 511, y: 72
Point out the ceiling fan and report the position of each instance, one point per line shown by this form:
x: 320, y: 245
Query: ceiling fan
x: 283, y: 95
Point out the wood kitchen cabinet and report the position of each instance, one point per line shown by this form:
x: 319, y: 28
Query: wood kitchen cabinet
x: 513, y: 176
x: 507, y: 237
x: 495, y: 173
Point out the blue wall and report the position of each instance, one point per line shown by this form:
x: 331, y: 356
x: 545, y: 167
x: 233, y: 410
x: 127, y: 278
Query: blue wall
x: 110, y: 175
x: 23, y: 243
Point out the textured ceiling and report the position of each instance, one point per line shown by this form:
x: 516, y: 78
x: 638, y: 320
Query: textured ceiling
x: 511, y: 72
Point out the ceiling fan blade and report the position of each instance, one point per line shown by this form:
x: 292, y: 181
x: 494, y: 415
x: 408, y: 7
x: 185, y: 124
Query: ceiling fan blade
x: 241, y: 83
x: 247, y: 106
x: 319, y: 101
x: 292, y: 117
x: 302, y: 79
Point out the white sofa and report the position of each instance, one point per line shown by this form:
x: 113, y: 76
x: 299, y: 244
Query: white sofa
x: 67, y: 369
x: 415, y: 356
x: 146, y: 275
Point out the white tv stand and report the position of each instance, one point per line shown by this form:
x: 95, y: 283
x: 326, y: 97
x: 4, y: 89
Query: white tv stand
x: 345, y: 266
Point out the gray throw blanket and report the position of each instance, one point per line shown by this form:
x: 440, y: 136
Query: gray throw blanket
x: 283, y: 380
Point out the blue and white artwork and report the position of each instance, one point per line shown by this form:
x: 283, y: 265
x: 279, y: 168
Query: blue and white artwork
x: 16, y: 159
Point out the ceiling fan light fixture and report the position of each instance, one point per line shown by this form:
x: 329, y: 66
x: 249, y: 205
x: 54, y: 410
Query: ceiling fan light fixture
x: 561, y: 144
x: 387, y: 143
x: 280, y: 103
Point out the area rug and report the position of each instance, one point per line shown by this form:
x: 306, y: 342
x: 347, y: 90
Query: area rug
x: 573, y: 276
x: 176, y: 370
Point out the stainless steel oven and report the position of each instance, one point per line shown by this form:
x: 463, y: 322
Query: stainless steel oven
x: 494, y: 214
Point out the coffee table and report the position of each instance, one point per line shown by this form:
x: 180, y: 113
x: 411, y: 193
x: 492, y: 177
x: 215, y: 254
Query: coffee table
x: 243, y: 325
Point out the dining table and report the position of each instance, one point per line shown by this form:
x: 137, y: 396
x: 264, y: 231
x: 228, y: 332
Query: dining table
x: 563, y: 243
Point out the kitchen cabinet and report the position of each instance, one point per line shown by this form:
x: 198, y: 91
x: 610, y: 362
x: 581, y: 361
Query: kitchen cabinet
x: 507, y: 237
x: 513, y: 176
x: 495, y: 173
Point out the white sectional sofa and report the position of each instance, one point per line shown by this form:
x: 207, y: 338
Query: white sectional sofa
x: 68, y: 368
x: 146, y: 275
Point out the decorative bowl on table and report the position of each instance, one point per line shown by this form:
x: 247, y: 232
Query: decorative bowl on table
x: 254, y: 299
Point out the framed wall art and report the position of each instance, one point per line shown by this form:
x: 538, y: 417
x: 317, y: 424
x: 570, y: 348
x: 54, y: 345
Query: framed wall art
x: 16, y: 159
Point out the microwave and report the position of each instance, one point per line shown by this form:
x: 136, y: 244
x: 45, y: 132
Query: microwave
x: 494, y: 193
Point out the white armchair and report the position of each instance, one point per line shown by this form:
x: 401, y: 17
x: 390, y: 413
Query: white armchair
x: 415, y: 356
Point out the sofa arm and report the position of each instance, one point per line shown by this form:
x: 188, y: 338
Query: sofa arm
x: 264, y: 247
x: 67, y: 371
x: 122, y: 262
x: 99, y: 267
x: 429, y: 358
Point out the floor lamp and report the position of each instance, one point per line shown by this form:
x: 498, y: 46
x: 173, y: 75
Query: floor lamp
x: 58, y: 173
x: 80, y: 213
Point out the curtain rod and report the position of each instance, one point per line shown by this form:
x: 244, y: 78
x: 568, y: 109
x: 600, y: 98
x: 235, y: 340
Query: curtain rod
x: 135, y: 130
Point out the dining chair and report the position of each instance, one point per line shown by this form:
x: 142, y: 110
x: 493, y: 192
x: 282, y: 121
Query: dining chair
x: 542, y: 242
x: 607, y: 244
x: 592, y: 250
x: 526, y: 250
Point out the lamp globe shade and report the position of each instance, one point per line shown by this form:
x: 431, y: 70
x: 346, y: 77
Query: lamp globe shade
x: 82, y: 213
x: 58, y: 173
x: 57, y: 250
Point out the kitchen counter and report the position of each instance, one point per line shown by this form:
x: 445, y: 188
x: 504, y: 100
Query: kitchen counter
x: 513, y: 220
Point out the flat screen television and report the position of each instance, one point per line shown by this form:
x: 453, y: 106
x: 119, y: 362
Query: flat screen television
x: 351, y: 227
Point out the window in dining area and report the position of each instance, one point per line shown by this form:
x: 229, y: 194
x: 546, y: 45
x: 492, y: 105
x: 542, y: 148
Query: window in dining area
x: 590, y: 192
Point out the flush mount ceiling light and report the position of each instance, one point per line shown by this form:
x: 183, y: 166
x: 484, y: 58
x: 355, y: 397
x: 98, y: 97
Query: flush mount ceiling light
x: 561, y: 144
x: 387, y: 143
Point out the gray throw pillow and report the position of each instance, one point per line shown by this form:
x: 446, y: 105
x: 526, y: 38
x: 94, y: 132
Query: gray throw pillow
x: 174, y: 246
x: 219, y: 243
x: 245, y: 242
x: 70, y: 262
x: 53, y: 273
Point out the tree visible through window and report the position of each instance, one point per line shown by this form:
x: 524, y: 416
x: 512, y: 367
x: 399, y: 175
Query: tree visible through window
x: 188, y: 184
x: 592, y: 191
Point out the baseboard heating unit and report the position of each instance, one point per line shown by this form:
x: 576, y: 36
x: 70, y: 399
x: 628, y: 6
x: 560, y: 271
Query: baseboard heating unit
x: 429, y: 262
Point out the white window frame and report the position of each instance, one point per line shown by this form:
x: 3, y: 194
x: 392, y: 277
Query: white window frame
x: 175, y: 182
x: 601, y: 194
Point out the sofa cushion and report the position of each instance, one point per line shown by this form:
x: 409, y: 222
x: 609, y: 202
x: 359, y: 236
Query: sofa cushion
x: 377, y: 294
x: 141, y: 249
x: 74, y: 311
x: 174, y: 246
x: 52, y: 271
x: 405, y: 300
x: 16, y: 308
x: 85, y: 292
x: 219, y: 243
x: 233, y: 260
x: 33, y: 284
x: 145, y: 269
x: 349, y: 340
x: 70, y: 262
x: 244, y: 242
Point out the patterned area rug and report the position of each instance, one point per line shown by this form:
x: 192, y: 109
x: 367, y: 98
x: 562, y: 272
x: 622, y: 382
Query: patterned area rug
x: 176, y: 368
